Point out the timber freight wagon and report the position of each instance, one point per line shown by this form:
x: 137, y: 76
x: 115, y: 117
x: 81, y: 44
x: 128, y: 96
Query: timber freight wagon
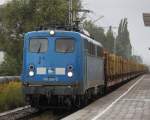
x: 118, y: 70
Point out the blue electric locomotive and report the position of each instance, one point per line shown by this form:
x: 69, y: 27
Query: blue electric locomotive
x: 61, y: 68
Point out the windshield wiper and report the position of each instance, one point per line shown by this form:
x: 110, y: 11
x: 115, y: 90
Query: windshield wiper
x: 39, y: 49
x: 67, y: 50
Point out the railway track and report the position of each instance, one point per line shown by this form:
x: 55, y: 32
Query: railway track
x: 29, y: 113
x: 51, y: 115
x: 5, y: 79
x: 18, y: 113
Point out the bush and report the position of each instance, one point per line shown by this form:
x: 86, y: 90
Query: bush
x: 11, y: 96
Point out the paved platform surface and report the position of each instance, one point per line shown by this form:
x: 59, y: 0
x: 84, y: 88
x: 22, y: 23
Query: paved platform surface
x: 129, y: 102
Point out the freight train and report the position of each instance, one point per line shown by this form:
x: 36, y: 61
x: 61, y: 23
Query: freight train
x: 65, y: 68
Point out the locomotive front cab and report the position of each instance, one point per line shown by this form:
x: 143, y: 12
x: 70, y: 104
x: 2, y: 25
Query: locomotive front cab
x: 52, y: 63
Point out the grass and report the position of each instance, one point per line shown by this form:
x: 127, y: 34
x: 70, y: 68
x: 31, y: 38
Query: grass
x: 11, y: 96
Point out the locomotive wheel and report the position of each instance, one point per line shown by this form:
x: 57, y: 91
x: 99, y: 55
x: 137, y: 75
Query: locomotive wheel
x: 34, y: 102
x: 81, y: 101
x: 103, y: 91
x: 68, y: 103
x: 85, y: 100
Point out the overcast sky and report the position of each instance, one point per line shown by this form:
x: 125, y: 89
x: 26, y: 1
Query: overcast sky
x: 2, y: 1
x: 114, y: 11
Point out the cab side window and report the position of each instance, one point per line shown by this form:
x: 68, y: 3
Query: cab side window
x: 86, y: 44
x: 99, y: 51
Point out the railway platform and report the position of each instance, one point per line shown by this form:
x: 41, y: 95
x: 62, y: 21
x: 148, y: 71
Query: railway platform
x: 129, y: 102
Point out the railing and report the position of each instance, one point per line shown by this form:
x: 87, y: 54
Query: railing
x: 5, y: 79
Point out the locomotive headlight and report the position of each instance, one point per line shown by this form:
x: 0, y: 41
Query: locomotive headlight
x: 31, y: 73
x: 52, y: 32
x: 70, y: 74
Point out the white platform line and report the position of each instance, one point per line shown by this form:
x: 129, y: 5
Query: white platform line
x: 141, y: 100
x: 113, y: 103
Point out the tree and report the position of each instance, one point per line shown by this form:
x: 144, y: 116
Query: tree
x: 96, y: 32
x: 107, y: 40
x: 20, y: 16
x: 110, y: 40
x: 124, y: 47
x: 137, y: 59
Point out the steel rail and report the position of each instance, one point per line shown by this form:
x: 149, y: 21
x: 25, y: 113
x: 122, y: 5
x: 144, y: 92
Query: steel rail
x: 5, y: 79
x: 18, y: 113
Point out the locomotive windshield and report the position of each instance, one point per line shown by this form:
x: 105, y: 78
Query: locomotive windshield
x: 64, y: 45
x: 38, y: 45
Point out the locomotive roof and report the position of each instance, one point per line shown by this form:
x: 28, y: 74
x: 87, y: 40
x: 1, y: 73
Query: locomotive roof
x: 46, y: 32
x: 92, y: 40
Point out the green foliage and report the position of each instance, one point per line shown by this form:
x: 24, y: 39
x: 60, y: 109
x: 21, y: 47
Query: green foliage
x: 124, y: 47
x: 96, y: 32
x: 137, y: 59
x: 107, y: 40
x: 110, y: 39
x: 20, y: 16
x: 10, y: 66
x: 11, y: 96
